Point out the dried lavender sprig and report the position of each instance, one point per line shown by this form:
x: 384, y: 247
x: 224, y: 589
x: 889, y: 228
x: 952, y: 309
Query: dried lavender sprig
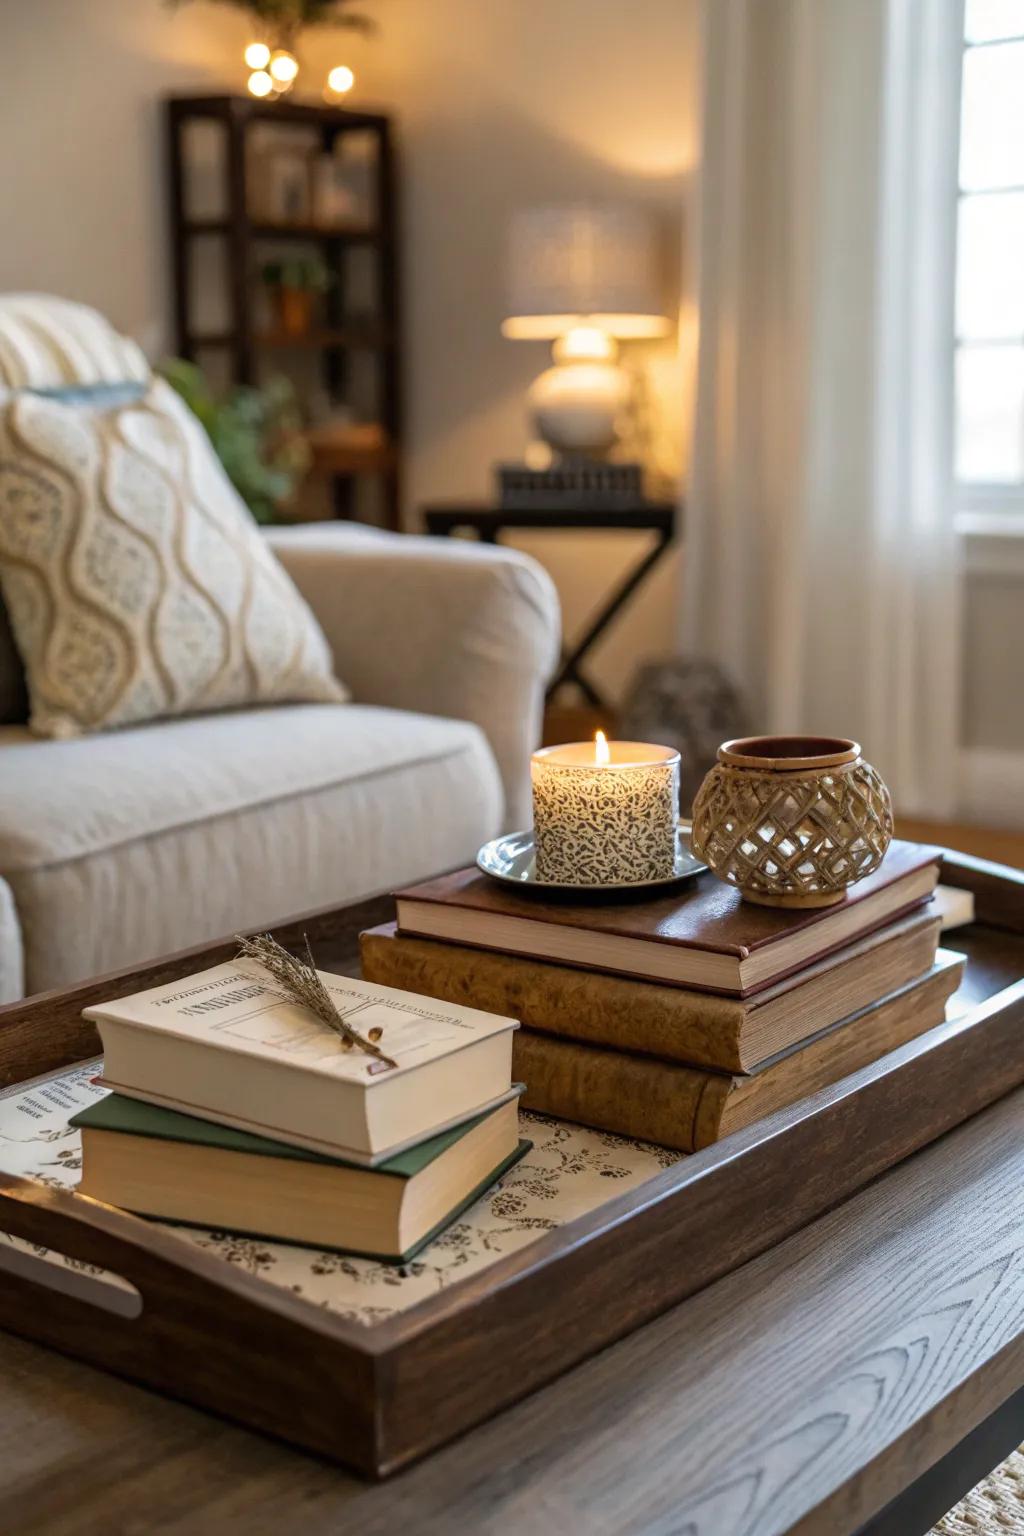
x: 301, y: 984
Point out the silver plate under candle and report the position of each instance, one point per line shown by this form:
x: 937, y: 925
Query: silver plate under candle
x: 512, y: 859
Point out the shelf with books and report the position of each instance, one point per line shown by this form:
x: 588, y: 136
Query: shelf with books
x: 357, y: 365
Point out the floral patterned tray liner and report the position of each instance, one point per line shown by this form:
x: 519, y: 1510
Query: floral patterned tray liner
x: 569, y: 1172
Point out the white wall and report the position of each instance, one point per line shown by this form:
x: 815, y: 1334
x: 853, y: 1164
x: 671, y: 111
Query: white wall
x: 500, y: 103
x: 81, y: 150
x: 503, y: 105
x: 992, y: 760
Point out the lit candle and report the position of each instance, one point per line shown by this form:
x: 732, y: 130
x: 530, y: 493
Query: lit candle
x: 605, y: 812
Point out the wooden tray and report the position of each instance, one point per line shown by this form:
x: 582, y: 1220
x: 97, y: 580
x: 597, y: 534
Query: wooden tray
x: 377, y: 1397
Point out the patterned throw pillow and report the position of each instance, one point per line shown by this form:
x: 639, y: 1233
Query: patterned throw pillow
x: 136, y: 582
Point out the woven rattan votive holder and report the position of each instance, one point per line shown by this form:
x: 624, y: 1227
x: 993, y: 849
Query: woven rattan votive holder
x: 792, y: 821
x: 605, y: 813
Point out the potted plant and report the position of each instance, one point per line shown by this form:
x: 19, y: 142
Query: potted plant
x: 257, y: 433
x: 278, y: 25
x: 293, y: 286
x: 281, y: 21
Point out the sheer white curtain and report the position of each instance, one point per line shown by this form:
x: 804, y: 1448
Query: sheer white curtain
x: 820, y: 565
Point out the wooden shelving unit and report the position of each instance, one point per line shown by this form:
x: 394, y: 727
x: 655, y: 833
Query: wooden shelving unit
x: 356, y: 235
x: 353, y: 338
x: 371, y: 448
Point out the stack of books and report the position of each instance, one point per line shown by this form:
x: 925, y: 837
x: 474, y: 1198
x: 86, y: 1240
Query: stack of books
x: 234, y: 1109
x: 681, y: 1018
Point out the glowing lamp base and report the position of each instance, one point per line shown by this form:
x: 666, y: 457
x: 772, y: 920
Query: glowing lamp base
x: 576, y: 406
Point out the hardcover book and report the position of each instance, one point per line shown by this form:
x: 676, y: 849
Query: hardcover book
x: 689, y: 1108
x: 161, y: 1163
x: 704, y: 936
x: 224, y: 1045
x: 732, y: 1034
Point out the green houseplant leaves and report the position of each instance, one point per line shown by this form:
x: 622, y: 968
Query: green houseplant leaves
x: 285, y: 19
x: 256, y: 433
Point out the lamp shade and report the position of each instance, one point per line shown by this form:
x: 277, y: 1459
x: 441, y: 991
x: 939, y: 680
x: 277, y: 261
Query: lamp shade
x: 582, y: 263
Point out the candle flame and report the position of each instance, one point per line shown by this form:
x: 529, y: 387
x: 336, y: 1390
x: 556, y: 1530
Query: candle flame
x: 601, y: 753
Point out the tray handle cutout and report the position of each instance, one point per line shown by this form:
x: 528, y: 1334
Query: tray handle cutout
x: 98, y: 1287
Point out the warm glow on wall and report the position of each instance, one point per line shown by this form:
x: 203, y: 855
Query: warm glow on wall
x: 260, y: 83
x: 257, y: 55
x: 549, y: 327
x: 340, y: 80
x: 283, y: 66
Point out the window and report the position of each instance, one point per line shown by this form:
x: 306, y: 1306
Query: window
x: 990, y: 260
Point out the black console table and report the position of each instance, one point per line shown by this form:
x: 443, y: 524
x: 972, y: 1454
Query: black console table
x: 663, y: 518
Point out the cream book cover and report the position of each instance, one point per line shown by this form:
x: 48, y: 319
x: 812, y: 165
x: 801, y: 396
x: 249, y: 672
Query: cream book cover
x: 224, y: 1044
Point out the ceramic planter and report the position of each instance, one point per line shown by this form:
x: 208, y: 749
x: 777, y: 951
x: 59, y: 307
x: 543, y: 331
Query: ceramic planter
x: 792, y: 821
x: 293, y: 310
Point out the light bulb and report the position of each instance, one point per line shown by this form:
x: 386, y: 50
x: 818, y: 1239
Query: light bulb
x: 340, y: 79
x: 284, y: 66
x: 260, y: 83
x: 257, y: 55
x: 587, y: 343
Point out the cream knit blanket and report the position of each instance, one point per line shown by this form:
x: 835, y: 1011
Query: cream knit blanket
x: 47, y: 342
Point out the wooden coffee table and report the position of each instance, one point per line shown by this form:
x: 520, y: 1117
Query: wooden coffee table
x: 858, y: 1377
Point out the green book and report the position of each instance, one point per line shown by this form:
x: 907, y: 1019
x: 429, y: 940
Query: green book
x: 159, y: 1162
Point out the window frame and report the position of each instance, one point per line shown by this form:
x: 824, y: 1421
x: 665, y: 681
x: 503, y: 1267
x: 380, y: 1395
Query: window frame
x: 984, y: 507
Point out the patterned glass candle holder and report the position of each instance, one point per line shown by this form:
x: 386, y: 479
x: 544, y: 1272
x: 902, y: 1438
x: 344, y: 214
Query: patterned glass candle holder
x: 605, y: 813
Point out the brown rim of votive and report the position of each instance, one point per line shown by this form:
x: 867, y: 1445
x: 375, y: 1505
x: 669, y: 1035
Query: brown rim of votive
x: 788, y: 753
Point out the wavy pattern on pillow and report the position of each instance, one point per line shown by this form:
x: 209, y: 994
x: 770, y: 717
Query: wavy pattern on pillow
x: 136, y: 582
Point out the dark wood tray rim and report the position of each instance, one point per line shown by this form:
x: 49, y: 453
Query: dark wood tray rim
x: 411, y: 1382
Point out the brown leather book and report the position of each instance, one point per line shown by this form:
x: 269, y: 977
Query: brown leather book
x: 701, y: 936
x: 731, y: 1034
x: 687, y: 1108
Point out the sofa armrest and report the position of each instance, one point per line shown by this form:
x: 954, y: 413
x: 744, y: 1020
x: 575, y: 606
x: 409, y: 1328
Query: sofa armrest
x: 12, y: 958
x: 443, y: 627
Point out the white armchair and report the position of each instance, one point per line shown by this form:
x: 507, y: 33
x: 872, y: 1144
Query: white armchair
x: 117, y: 847
x: 443, y: 627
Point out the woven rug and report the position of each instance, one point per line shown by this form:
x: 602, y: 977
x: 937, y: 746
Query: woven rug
x: 994, y: 1508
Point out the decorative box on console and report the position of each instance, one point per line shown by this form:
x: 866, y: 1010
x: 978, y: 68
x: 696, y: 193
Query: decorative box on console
x: 578, y: 485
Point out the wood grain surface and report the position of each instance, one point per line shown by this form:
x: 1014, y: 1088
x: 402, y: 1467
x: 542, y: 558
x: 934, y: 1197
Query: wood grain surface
x: 797, y: 1395
x: 417, y: 1379
x: 437, y: 1370
x: 687, y: 1227
x: 998, y: 889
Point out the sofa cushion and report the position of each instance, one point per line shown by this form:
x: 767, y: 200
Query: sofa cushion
x: 120, y: 847
x: 136, y: 581
x: 12, y: 958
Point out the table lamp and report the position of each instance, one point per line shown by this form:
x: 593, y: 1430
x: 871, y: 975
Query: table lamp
x: 584, y: 276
